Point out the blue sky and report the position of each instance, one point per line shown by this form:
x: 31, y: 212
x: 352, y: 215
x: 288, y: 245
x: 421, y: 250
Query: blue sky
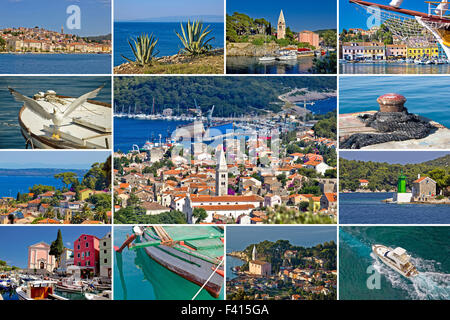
x: 51, y: 159
x: 14, y: 241
x: 144, y: 9
x: 299, y: 15
x: 353, y: 16
x: 51, y: 15
x: 239, y: 237
x: 400, y: 157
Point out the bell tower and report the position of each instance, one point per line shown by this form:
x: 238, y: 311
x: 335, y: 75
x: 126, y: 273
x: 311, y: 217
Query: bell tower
x: 281, y: 30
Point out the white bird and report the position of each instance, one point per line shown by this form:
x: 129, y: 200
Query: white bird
x: 57, y: 117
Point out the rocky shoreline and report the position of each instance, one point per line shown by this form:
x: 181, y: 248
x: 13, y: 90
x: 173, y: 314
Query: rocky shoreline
x: 239, y: 255
x: 247, y: 49
x: 176, y: 59
x: 305, y: 94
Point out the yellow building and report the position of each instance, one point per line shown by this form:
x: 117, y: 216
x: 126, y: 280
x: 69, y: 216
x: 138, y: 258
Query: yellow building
x: 86, y: 193
x: 432, y: 52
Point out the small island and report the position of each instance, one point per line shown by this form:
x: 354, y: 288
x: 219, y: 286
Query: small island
x: 282, y: 271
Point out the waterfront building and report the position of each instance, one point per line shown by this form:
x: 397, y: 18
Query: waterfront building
x: 86, y: 254
x: 416, y: 53
x: 260, y: 268
x: 281, y: 28
x: 39, y: 257
x: 394, y: 51
x: 423, y: 188
x: 363, y: 183
x: 309, y: 37
x: 66, y: 259
x: 105, y: 255
x: 363, y: 50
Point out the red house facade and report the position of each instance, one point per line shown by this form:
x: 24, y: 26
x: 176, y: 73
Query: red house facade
x: 86, y: 254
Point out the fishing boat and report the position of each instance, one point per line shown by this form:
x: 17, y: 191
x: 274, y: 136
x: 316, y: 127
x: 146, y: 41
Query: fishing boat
x: 194, y: 253
x: 38, y: 290
x: 288, y: 56
x: 397, y: 259
x: 51, y: 121
x: 71, y: 285
x: 105, y: 295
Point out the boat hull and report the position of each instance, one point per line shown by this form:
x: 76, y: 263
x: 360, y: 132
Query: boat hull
x: 188, y: 271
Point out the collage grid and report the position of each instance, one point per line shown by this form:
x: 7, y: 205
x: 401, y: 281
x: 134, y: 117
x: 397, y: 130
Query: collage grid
x: 129, y: 267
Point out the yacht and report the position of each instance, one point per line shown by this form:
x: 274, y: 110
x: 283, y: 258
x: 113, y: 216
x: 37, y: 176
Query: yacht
x: 397, y: 259
x: 266, y: 59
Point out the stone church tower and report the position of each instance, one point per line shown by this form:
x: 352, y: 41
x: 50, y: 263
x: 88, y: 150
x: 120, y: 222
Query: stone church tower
x: 221, y: 174
x: 281, y: 30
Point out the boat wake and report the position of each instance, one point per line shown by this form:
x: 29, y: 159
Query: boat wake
x: 428, y: 285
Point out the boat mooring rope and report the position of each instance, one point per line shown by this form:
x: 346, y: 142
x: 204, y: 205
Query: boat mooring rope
x: 218, y: 266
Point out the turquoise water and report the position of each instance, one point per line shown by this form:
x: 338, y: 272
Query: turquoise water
x: 30, y: 63
x: 168, y: 41
x: 368, y: 208
x: 10, y: 135
x: 392, y: 68
x: 426, y: 96
x: 429, y: 250
x: 138, y: 277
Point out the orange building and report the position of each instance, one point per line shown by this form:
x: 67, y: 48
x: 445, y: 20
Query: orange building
x: 309, y: 37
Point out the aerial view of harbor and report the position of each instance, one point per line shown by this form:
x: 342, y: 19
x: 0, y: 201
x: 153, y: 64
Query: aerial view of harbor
x: 38, y: 187
x: 281, y: 263
x: 187, y: 150
x: 394, y: 37
x: 55, y: 263
x: 266, y: 37
x: 169, y: 263
x: 176, y: 37
x: 64, y: 38
x: 414, y: 117
x: 55, y: 113
x: 394, y: 187
x: 394, y: 263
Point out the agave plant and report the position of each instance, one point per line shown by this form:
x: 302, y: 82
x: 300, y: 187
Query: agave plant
x: 143, y: 49
x: 194, y: 39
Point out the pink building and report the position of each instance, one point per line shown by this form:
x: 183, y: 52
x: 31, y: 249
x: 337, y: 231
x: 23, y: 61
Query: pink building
x: 86, y: 254
x: 39, y: 257
x: 309, y: 37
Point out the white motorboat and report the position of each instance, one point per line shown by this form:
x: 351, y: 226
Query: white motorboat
x: 397, y: 259
x: 266, y: 59
x: 289, y: 56
x: 51, y: 121
x: 105, y: 295
x: 38, y: 290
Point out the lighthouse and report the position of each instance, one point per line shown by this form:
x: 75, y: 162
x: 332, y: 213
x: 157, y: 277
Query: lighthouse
x: 401, y: 196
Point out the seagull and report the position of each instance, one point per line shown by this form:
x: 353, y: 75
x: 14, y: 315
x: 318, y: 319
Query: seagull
x: 57, y: 116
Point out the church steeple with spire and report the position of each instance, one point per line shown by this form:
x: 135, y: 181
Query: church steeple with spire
x: 221, y: 174
x: 281, y: 29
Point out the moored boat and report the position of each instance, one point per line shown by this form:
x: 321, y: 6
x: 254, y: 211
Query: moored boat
x: 38, y: 290
x: 51, y: 121
x: 194, y: 254
x: 397, y: 259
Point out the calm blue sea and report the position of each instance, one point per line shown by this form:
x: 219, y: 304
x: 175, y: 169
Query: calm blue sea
x: 426, y: 96
x: 392, y: 68
x: 10, y: 135
x: 368, y: 208
x: 168, y: 41
x: 428, y: 247
x: 138, y: 277
x: 251, y: 65
x: 10, y: 185
x: 322, y: 106
x: 129, y: 131
x: 30, y: 63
